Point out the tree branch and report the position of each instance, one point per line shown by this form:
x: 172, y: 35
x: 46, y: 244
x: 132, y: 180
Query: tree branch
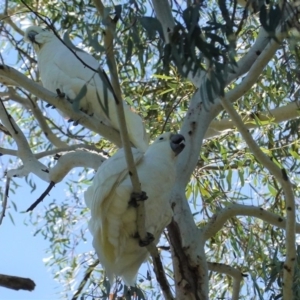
x: 276, y: 115
x: 4, y: 202
x: 218, y: 220
x: 194, y: 134
x: 282, y: 177
x: 234, y: 273
x: 92, y: 123
x: 137, y: 189
x: 16, y: 283
x: 84, y: 280
x: 63, y: 166
x: 163, y: 12
x: 33, y: 107
x: 72, y: 160
x: 42, y: 197
x: 116, y: 89
x: 6, y: 18
x: 31, y: 164
x: 4, y: 151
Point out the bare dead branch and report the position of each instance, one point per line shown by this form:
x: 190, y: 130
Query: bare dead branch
x: 41, y: 198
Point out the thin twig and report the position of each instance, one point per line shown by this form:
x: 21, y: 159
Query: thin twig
x: 85, y: 278
x: 41, y: 198
x: 4, y: 130
x: 137, y: 190
x: 4, y: 202
x: 116, y: 89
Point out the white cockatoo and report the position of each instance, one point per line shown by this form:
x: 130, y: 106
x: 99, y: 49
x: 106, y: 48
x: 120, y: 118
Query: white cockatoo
x: 113, y: 218
x: 61, y: 70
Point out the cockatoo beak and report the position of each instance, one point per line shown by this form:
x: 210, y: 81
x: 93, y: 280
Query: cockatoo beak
x: 177, y: 143
x: 31, y: 36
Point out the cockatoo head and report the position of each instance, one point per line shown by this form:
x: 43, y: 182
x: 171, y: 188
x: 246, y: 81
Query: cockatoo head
x: 38, y: 36
x: 168, y: 140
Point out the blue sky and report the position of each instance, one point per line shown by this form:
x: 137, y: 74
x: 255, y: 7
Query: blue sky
x: 22, y: 253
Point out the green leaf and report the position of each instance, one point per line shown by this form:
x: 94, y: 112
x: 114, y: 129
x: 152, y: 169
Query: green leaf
x: 80, y: 95
x: 93, y: 41
x: 152, y: 26
x: 129, y: 50
x: 67, y: 41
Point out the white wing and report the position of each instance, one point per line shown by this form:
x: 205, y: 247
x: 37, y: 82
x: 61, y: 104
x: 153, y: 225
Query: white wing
x: 113, y: 222
x: 106, y: 212
x: 107, y: 177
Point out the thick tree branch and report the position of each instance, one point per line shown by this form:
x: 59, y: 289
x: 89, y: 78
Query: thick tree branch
x: 218, y: 220
x: 4, y: 151
x: 33, y: 107
x: 282, y: 178
x: 63, y: 166
x: 163, y: 12
x: 65, y: 150
x: 7, y: 19
x: 7, y: 81
x: 63, y: 105
x: 276, y: 115
x: 72, y: 160
x: 246, y: 62
x: 230, y: 271
x: 16, y: 283
x: 194, y: 134
x: 31, y: 164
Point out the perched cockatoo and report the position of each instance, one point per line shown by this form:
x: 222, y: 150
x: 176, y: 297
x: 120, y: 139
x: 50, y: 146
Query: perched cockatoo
x: 61, y: 70
x: 113, y: 218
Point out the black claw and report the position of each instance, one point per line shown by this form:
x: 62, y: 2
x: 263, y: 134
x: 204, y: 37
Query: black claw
x: 70, y: 120
x: 48, y: 105
x: 57, y: 156
x: 148, y: 240
x: 60, y: 94
x: 136, y: 197
x: 76, y: 123
x: 84, y: 110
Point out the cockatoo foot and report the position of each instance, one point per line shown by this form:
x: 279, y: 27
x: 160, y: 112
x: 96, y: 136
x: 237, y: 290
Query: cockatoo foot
x: 136, y: 197
x: 148, y: 240
x: 84, y: 110
x: 60, y: 94
x: 50, y: 105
